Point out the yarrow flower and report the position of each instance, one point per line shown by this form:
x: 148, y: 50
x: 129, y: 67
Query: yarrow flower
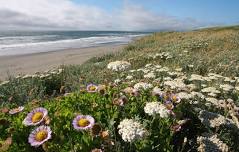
x: 35, y: 117
x: 118, y: 65
x: 210, y: 142
x: 150, y: 75
x: 16, y: 110
x: 153, y: 108
x: 142, y: 85
x: 83, y: 122
x: 131, y: 130
x: 39, y: 136
x: 92, y: 88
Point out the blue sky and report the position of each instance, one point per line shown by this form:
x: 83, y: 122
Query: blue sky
x: 215, y: 11
x: 130, y: 15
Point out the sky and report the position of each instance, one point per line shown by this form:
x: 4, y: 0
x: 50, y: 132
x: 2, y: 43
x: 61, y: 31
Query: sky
x: 123, y: 15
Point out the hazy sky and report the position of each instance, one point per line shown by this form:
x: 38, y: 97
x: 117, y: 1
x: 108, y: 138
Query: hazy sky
x: 116, y: 14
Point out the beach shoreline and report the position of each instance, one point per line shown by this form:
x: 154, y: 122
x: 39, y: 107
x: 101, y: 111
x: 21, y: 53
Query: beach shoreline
x: 39, y: 62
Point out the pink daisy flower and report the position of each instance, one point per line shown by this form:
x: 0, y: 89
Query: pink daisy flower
x: 92, y: 88
x: 39, y: 136
x: 16, y: 110
x: 35, y: 117
x: 83, y: 122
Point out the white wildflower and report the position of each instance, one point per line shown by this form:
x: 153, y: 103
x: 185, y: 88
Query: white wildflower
x: 211, y: 143
x: 173, y: 74
x: 158, y: 66
x: 215, y: 75
x: 153, y: 108
x: 175, y: 84
x: 184, y: 95
x: 129, y: 77
x: 192, y: 87
x: 132, y: 71
x: 143, y: 85
x: 157, y: 91
x: 197, y: 94
x: 226, y: 87
x: 208, y: 79
x: 227, y: 79
x: 117, y: 81
x: 212, y: 100
x: 148, y: 65
x: 195, y: 77
x: 210, y: 90
x: 163, y: 69
x: 213, y: 120
x: 146, y: 70
x: 237, y: 88
x: 119, y: 65
x: 131, y: 130
x: 178, y: 69
x: 167, y: 79
x: 150, y: 75
x: 212, y: 94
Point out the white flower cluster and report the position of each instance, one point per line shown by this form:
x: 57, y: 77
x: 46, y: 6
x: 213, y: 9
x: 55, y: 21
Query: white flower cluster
x: 142, y: 85
x: 175, y: 84
x: 211, y: 143
x: 163, y: 55
x: 119, y: 65
x: 150, y: 75
x: 184, y: 95
x: 226, y: 87
x: 210, y: 90
x: 131, y: 130
x: 213, y: 120
x: 153, y: 108
x: 195, y: 77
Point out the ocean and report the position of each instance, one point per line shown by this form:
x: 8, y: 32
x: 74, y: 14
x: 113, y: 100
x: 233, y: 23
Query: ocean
x: 29, y: 42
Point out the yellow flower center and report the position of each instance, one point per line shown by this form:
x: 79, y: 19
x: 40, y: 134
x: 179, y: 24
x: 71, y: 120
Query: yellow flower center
x: 169, y: 106
x: 41, y: 135
x: 174, y: 98
x: 92, y: 88
x: 37, y: 117
x: 166, y: 97
x: 83, y: 122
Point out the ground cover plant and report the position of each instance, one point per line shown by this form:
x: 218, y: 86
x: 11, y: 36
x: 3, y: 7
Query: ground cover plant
x: 170, y: 91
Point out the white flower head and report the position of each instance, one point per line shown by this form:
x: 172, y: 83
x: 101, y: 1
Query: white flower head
x: 119, y: 66
x: 143, y: 85
x: 129, y: 77
x: 226, y: 87
x: 153, y: 108
x: 210, y: 90
x: 150, y: 75
x: 131, y: 130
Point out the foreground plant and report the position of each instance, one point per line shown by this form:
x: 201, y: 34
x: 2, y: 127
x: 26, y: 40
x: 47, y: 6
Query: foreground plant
x: 83, y: 122
x: 35, y: 117
x: 39, y: 136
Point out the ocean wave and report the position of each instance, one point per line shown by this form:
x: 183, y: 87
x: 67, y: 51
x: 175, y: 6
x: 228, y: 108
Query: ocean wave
x: 36, y: 47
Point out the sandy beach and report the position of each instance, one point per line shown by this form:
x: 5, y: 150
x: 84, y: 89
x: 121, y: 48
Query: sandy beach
x: 32, y: 63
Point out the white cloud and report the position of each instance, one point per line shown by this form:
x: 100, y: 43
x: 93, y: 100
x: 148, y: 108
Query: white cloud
x: 64, y: 14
